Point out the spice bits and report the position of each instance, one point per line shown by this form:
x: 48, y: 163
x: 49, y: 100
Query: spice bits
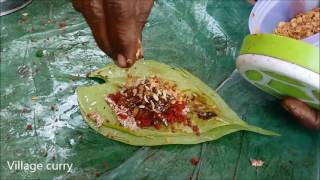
x: 151, y: 102
x: 301, y: 26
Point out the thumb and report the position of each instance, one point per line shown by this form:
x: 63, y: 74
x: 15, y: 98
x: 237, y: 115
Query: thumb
x: 131, y: 51
x: 305, y: 115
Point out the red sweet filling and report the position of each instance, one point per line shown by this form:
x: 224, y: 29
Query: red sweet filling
x: 149, y: 118
x: 154, y: 103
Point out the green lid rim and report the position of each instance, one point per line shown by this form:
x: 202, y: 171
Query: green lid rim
x: 284, y: 48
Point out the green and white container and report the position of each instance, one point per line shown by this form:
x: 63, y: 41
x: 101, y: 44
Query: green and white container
x: 281, y: 66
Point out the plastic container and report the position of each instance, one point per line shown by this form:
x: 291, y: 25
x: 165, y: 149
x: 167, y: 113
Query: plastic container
x: 266, y: 14
x: 10, y: 6
x: 281, y: 66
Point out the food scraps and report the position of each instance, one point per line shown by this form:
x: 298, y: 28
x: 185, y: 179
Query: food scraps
x: 195, y: 161
x: 256, y: 162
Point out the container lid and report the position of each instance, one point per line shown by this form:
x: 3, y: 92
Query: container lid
x: 280, y: 78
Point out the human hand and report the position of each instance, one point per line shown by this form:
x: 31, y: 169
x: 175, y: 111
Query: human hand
x: 304, y: 114
x: 117, y: 26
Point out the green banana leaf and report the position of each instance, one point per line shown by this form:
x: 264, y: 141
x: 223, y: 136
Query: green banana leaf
x: 91, y: 99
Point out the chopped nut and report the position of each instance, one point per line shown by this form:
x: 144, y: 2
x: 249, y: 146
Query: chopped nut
x: 164, y: 95
x: 147, y: 88
x: 141, y: 106
x: 165, y: 122
x: 155, y: 97
x: 134, y: 92
x: 301, y: 26
x: 135, y: 112
x: 281, y: 24
x: 145, y: 99
x: 141, y: 89
x: 152, y: 105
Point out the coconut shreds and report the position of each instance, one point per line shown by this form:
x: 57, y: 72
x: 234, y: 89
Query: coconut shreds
x: 122, y: 115
x: 152, y: 102
x: 96, y: 117
x: 256, y: 162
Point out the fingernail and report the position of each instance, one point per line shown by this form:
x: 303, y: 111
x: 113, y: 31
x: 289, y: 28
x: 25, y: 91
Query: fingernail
x: 121, y: 60
x: 138, y: 54
x: 141, y: 54
x: 130, y: 61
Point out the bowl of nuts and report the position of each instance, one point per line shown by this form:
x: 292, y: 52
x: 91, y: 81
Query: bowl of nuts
x: 281, y: 55
x: 297, y: 19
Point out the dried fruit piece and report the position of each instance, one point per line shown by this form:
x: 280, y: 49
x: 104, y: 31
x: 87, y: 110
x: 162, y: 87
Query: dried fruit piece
x: 206, y: 115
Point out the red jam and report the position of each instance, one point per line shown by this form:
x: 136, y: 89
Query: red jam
x: 148, y: 118
x: 153, y: 105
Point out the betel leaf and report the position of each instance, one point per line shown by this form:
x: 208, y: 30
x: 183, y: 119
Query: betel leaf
x: 91, y: 100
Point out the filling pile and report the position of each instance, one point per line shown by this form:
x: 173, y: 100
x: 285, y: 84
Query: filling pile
x: 301, y: 26
x: 154, y: 102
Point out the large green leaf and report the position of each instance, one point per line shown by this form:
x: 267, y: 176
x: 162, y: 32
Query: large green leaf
x: 202, y: 36
x: 91, y: 99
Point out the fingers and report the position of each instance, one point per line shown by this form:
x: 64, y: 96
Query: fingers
x: 121, y: 61
x: 135, y: 50
x: 143, y: 11
x: 131, y: 51
x: 77, y: 4
x: 306, y: 116
x: 117, y: 26
x: 94, y: 13
x: 124, y: 33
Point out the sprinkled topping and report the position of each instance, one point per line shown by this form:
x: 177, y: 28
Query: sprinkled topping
x: 96, y: 117
x: 122, y: 115
x: 152, y: 102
